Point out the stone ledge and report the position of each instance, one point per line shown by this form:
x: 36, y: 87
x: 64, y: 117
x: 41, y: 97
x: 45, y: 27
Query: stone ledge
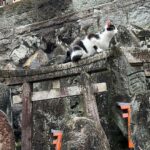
x: 91, y: 64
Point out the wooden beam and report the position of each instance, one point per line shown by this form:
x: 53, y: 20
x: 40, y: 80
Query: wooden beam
x: 26, y: 139
x: 137, y: 57
x: 90, y: 104
x: 91, y: 64
x: 131, y: 59
x: 54, y: 68
x: 56, y: 93
x: 89, y: 99
x: 61, y: 92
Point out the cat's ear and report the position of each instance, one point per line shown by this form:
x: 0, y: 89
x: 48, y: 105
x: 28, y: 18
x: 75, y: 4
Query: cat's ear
x: 108, y: 23
x: 68, y: 53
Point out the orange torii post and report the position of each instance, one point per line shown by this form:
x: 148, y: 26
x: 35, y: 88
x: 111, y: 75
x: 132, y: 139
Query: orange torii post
x: 127, y: 106
x: 58, y: 141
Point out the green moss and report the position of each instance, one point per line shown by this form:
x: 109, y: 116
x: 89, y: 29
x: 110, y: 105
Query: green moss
x: 18, y: 145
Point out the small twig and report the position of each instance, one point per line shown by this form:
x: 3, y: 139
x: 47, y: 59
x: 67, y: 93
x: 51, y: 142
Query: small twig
x: 140, y: 148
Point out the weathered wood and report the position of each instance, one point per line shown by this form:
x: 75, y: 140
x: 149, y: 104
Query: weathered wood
x: 131, y: 59
x: 7, y: 141
x: 53, y: 68
x: 65, y: 92
x: 144, y: 56
x: 89, y: 99
x: 136, y: 56
x: 56, y: 93
x: 26, y: 139
x: 90, y: 104
x: 61, y: 92
x: 91, y: 64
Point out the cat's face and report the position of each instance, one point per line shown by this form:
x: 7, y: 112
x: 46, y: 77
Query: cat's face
x: 109, y: 27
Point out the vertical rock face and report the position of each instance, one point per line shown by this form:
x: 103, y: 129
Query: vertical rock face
x: 128, y: 80
x: 141, y: 121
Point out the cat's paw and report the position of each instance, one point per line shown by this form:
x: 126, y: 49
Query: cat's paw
x: 99, y: 50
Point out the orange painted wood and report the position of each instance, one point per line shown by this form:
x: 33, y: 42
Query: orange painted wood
x: 127, y: 106
x: 58, y: 141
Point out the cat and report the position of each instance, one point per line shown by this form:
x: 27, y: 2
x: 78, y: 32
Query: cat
x: 92, y: 43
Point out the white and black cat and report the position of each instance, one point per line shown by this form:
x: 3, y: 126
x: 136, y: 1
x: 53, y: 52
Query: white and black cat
x: 92, y: 43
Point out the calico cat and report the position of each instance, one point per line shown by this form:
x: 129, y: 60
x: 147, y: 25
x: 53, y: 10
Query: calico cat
x: 92, y: 43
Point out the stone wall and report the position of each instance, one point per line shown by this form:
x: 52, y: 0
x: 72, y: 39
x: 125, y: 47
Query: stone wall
x: 85, y: 15
x: 30, y: 11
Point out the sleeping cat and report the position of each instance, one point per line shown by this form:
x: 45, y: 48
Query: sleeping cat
x: 92, y: 43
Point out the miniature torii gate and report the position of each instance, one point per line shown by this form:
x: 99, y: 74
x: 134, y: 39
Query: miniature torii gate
x: 127, y: 107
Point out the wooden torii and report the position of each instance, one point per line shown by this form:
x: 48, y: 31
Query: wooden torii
x: 54, y: 73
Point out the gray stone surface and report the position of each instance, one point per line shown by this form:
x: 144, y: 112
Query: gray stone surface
x: 37, y: 60
x: 20, y: 53
x: 78, y: 4
x: 28, y: 12
x: 141, y: 120
x: 10, y: 66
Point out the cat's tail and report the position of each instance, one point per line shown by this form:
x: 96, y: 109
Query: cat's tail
x: 67, y: 57
x: 76, y: 54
